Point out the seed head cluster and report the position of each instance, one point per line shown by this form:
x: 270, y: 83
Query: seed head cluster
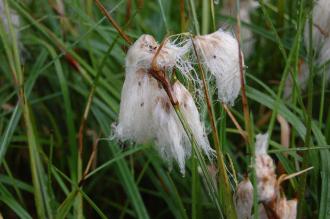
x: 274, y: 203
x: 147, y: 105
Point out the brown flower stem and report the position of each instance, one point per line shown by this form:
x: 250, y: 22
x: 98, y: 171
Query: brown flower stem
x: 113, y: 22
x: 246, y: 113
x: 223, y: 177
x: 233, y: 119
x: 182, y: 16
x: 160, y: 76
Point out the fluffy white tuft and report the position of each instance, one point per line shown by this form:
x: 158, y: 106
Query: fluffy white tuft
x: 146, y: 113
x: 219, y: 53
x: 244, y: 199
x: 138, y: 94
x: 172, y: 141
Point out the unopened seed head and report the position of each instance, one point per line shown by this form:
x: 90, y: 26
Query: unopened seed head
x: 286, y: 209
x: 244, y: 199
x: 265, y: 170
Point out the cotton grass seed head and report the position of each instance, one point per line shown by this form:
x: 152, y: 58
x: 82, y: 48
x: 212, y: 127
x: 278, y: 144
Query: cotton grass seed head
x: 244, y: 199
x: 140, y: 54
x: 219, y: 53
x: 146, y: 112
x: 265, y: 170
x: 286, y: 209
x: 171, y: 139
x: 138, y: 94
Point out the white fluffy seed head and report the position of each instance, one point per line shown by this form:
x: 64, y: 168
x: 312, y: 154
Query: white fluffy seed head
x: 139, y: 93
x: 219, y: 53
x: 146, y: 113
x: 140, y: 54
x: 173, y: 54
x: 171, y: 139
x: 244, y: 199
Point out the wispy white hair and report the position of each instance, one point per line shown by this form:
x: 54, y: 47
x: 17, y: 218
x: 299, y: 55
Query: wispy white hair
x: 172, y: 140
x: 219, y: 53
x: 146, y: 113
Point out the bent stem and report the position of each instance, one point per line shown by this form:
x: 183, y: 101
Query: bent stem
x: 223, y: 177
x: 160, y: 76
x: 246, y: 112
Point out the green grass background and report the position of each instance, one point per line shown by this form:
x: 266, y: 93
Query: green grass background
x: 66, y: 72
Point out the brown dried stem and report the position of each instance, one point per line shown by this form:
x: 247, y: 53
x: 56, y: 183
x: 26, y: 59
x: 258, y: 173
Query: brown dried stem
x: 160, y: 76
x: 113, y: 22
x: 233, y: 119
x: 223, y: 177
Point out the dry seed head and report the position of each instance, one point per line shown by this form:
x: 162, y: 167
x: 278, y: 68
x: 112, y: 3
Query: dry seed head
x: 146, y: 113
x: 286, y: 209
x: 171, y: 139
x: 265, y: 170
x: 139, y: 93
x: 219, y: 53
x: 244, y: 199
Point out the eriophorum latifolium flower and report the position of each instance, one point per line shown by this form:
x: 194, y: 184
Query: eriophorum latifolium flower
x: 146, y: 113
x: 219, y: 53
x: 273, y: 201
